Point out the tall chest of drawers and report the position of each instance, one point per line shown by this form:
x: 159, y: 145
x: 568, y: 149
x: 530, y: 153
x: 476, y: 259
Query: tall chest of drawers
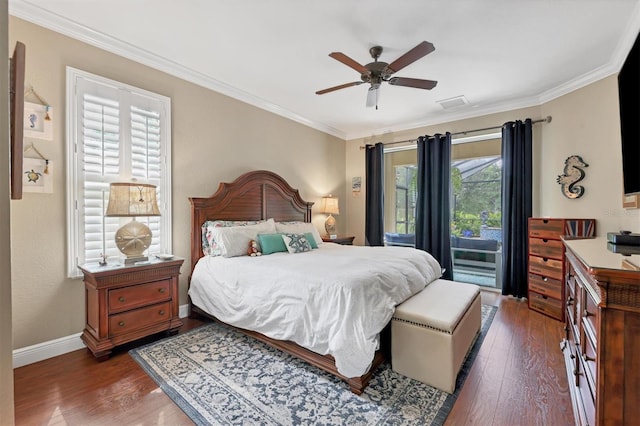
x: 546, y: 261
x: 125, y: 303
x: 601, y: 347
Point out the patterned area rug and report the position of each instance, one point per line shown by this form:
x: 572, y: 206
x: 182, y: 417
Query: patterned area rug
x: 219, y: 376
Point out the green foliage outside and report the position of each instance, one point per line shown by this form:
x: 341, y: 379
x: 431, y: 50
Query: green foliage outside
x: 479, y: 193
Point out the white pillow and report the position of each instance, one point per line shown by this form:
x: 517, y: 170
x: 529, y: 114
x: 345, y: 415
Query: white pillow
x: 299, y: 228
x: 234, y: 240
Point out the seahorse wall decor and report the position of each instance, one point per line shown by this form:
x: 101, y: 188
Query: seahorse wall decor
x: 573, y: 174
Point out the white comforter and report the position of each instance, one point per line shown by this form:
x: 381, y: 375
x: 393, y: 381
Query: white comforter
x: 332, y: 300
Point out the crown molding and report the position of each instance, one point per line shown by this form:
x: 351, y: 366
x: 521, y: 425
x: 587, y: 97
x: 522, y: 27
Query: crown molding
x: 25, y: 10
x: 29, y: 12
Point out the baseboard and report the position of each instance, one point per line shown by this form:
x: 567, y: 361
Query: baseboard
x: 60, y: 346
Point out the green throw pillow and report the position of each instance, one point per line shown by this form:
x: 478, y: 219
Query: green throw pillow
x: 271, y: 243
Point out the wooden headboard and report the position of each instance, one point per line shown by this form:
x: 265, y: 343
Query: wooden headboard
x: 256, y: 195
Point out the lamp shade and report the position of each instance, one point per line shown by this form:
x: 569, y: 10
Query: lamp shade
x: 132, y: 199
x: 329, y: 205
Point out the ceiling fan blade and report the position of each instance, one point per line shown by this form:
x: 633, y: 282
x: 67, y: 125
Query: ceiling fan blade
x: 411, y: 56
x: 373, y: 96
x: 413, y: 82
x: 342, y: 86
x: 339, y: 56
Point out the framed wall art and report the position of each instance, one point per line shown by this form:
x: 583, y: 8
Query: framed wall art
x: 37, y: 175
x: 38, y: 121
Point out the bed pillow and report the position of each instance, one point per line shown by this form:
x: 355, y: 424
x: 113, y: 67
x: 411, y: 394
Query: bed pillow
x: 234, y: 240
x: 209, y: 244
x: 271, y: 243
x: 311, y: 239
x: 299, y: 228
x: 296, y: 243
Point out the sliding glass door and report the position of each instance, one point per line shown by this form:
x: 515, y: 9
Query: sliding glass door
x: 476, y: 235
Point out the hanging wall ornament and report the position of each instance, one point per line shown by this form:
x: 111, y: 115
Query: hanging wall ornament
x: 573, y: 174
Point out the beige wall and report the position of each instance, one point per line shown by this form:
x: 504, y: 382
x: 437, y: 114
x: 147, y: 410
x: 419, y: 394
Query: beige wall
x: 6, y: 360
x: 214, y: 138
x: 584, y: 122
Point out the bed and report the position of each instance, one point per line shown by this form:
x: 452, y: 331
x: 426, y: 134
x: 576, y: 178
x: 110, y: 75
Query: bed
x: 262, y: 195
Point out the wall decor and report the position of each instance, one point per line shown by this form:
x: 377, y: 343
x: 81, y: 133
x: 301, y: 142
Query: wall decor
x: 573, y: 174
x: 37, y: 175
x: 38, y: 121
x: 16, y: 96
x: 356, y: 185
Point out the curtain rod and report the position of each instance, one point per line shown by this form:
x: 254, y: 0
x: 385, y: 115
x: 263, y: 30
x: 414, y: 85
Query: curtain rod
x: 547, y: 119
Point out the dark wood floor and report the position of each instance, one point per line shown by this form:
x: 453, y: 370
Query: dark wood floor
x: 517, y: 379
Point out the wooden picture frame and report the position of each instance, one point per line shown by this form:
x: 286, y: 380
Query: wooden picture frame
x: 16, y: 99
x: 630, y: 201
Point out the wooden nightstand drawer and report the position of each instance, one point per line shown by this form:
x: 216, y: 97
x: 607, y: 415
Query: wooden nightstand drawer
x: 546, y: 267
x: 546, y: 248
x: 546, y: 286
x: 546, y: 228
x: 127, y: 322
x: 126, y: 298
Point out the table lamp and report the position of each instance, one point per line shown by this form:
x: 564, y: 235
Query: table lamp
x: 132, y: 200
x: 330, y: 205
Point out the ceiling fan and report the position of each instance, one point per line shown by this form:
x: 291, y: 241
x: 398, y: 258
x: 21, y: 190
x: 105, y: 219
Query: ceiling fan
x: 377, y: 72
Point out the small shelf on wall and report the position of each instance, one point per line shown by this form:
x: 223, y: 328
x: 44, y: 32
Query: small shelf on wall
x: 631, y: 201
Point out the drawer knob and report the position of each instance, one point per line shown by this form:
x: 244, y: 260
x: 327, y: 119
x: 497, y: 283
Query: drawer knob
x: 545, y: 279
x: 544, y: 240
x: 587, y: 357
x: 121, y: 323
x: 162, y: 289
x: 161, y: 312
x: 121, y: 299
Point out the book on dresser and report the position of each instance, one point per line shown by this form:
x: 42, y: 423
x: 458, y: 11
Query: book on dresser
x: 547, y: 261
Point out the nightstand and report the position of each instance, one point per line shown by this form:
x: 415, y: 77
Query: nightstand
x: 128, y: 302
x: 345, y: 240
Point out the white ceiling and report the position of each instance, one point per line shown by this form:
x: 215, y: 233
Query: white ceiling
x: 498, y: 54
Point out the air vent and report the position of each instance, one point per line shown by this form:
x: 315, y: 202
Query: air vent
x: 455, y: 102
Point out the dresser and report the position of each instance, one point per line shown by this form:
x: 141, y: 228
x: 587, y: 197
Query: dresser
x: 128, y: 302
x: 602, y: 343
x: 546, y: 261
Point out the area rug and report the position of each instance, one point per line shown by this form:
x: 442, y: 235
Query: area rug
x: 219, y: 376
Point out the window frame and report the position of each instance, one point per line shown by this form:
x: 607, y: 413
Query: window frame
x: 75, y: 181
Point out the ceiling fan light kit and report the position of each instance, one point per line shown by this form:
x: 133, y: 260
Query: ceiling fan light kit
x: 377, y: 72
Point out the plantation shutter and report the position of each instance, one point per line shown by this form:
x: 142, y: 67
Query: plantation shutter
x: 120, y: 135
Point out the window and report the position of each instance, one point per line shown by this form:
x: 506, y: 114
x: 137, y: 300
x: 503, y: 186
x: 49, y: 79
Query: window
x: 406, y: 196
x: 115, y: 133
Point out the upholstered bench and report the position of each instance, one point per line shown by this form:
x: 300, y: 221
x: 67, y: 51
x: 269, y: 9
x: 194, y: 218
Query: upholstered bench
x: 432, y: 331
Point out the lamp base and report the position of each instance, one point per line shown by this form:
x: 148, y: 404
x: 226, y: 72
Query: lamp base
x: 132, y: 240
x: 133, y: 259
x: 330, y: 225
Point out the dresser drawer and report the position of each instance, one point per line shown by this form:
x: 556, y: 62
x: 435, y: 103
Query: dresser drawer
x: 545, y: 304
x: 544, y: 247
x: 140, y: 318
x: 589, y: 316
x: 570, y: 301
x: 546, y: 228
x: 589, y: 360
x: 125, y: 298
x: 546, y: 267
x: 546, y: 286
